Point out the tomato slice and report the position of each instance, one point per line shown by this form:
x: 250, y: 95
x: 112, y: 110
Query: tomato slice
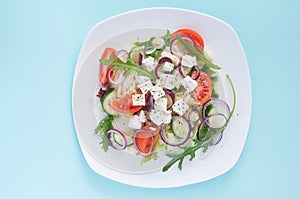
x: 143, y: 140
x: 103, y: 69
x: 202, y: 93
x: 124, y: 104
x: 195, y: 36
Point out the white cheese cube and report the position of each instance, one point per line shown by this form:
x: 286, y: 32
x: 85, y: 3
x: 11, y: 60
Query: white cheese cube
x: 149, y: 63
x: 161, y: 104
x: 160, y: 117
x: 168, y: 81
x: 189, y: 61
x: 145, y: 86
x: 167, y: 67
x: 157, y: 92
x: 189, y: 84
x: 168, y: 117
x: 134, y: 122
x: 180, y: 107
x: 138, y: 100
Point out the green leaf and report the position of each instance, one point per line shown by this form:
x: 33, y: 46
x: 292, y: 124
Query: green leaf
x: 198, y: 53
x: 104, y: 125
x: 129, y: 66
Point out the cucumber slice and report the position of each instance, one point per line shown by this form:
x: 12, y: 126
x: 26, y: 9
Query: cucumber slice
x: 181, y: 126
x: 109, y: 96
x: 120, y: 141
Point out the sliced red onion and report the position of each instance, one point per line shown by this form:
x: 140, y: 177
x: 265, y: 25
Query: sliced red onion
x: 183, y: 140
x: 149, y: 102
x: 143, y: 134
x: 170, y: 97
x: 209, y: 125
x: 194, y: 115
x: 216, y: 121
x: 174, y: 43
x: 120, y: 76
x: 123, y: 55
x: 103, y: 89
x: 110, y: 138
x: 140, y: 58
x: 197, y: 74
x: 180, y: 70
x: 219, y: 106
x: 160, y: 63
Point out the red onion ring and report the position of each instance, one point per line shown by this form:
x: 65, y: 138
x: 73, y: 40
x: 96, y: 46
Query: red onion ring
x: 174, y: 41
x: 196, y: 76
x: 220, y: 104
x: 149, y: 102
x: 204, y: 122
x: 121, y: 76
x: 103, y: 89
x: 160, y: 63
x: 170, y: 96
x: 151, y: 135
x: 111, y: 140
x: 123, y: 55
x: 140, y: 58
x: 184, y: 140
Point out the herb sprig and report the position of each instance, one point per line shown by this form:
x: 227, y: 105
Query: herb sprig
x: 190, y: 151
x: 104, y: 125
x: 129, y: 66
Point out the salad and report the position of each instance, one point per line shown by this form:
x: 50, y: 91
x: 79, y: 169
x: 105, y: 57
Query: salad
x: 160, y: 95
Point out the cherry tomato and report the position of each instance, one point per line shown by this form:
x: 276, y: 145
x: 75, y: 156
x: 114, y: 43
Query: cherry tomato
x: 202, y: 93
x: 196, y: 37
x: 144, y: 142
x: 124, y: 105
x: 103, y: 69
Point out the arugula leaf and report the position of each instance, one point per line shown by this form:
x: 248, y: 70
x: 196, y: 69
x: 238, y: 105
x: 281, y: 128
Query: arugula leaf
x: 104, y: 125
x: 198, y: 53
x: 129, y: 65
x: 190, y: 151
x: 167, y: 38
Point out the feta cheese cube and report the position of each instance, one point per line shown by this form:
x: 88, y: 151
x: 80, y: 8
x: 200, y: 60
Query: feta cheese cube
x: 161, y: 104
x: 189, y: 61
x: 157, y: 92
x: 149, y: 63
x: 138, y: 100
x: 168, y: 117
x: 168, y: 81
x: 160, y: 117
x: 145, y: 86
x: 189, y: 84
x: 167, y: 67
x: 180, y: 107
x: 134, y: 122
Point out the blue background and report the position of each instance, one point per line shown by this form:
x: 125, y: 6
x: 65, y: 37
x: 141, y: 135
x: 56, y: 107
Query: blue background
x: 39, y: 152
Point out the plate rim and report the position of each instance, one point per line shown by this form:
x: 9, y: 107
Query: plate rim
x: 79, y: 63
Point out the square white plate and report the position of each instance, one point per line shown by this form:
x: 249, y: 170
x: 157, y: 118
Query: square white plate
x: 221, y: 39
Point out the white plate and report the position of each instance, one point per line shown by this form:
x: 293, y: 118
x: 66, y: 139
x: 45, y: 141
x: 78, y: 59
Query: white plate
x: 220, y: 38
